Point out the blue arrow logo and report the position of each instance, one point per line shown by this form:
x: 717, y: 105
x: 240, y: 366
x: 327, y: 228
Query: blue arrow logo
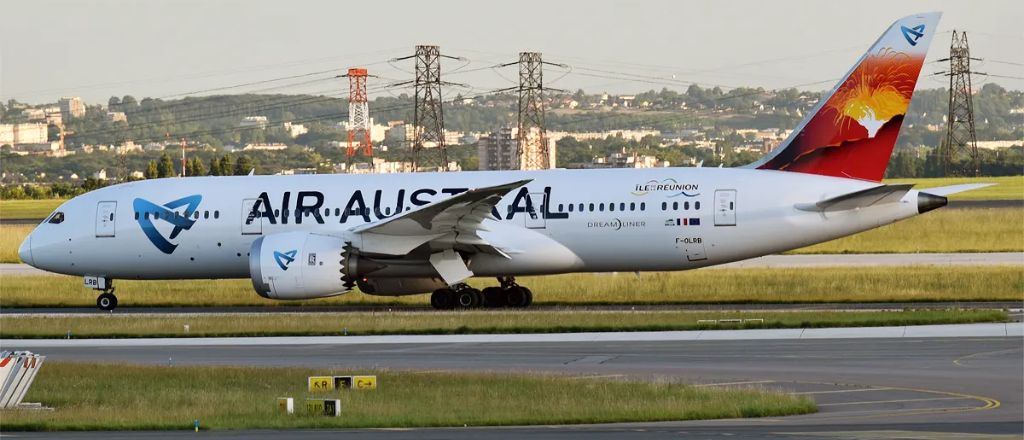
x: 149, y: 211
x: 913, y: 34
x: 284, y: 259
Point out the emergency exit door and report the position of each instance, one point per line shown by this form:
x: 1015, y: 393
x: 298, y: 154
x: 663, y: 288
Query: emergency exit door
x: 725, y: 207
x: 106, y: 212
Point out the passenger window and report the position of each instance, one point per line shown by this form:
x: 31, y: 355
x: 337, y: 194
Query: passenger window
x: 570, y: 207
x: 664, y: 206
x: 112, y: 214
x: 675, y: 206
x: 591, y: 207
x: 622, y: 206
x: 686, y: 206
x: 136, y: 215
x: 195, y: 215
x: 611, y: 206
x: 632, y: 206
x: 216, y: 214
x: 57, y: 218
x: 643, y: 206
x: 559, y: 207
x: 600, y: 207
x: 327, y: 212
x: 696, y: 205
x: 581, y: 207
x: 337, y: 212
x: 206, y: 214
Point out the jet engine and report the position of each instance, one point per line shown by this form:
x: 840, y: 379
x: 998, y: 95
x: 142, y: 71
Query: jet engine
x: 300, y: 265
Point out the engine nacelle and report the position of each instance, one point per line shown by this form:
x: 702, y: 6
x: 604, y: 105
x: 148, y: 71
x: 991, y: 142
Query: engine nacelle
x: 400, y: 286
x: 299, y: 265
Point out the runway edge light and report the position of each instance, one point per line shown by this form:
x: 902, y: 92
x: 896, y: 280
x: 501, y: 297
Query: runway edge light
x: 286, y: 405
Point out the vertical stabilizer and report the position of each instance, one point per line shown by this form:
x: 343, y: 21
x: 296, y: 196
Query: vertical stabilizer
x: 852, y: 131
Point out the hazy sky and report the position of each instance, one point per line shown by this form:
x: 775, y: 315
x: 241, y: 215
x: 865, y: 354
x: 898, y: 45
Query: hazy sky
x: 99, y: 48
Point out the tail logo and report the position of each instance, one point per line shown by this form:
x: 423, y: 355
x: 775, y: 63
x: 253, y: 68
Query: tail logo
x: 283, y: 259
x: 149, y: 211
x: 913, y: 34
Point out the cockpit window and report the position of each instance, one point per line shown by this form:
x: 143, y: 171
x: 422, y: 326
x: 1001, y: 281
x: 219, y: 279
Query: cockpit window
x: 56, y: 218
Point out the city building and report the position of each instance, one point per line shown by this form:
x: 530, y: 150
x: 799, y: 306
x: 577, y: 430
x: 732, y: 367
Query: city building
x: 117, y: 117
x: 254, y: 122
x: 499, y: 150
x: 295, y: 130
x: 264, y: 147
x: 627, y: 160
x: 71, y: 107
x: 15, y: 134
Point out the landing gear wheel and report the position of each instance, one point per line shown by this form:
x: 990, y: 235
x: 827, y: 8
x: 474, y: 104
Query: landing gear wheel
x: 494, y: 297
x: 518, y: 297
x: 468, y: 298
x: 443, y: 299
x: 106, y: 301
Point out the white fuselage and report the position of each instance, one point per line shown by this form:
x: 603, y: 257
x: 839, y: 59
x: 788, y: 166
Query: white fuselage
x: 599, y: 220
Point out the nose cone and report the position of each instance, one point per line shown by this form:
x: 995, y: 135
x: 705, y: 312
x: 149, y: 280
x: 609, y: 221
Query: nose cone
x: 25, y: 251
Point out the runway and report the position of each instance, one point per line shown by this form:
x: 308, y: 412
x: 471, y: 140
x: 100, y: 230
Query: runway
x: 896, y: 382
x: 778, y: 261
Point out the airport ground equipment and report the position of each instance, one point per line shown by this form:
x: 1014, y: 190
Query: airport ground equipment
x: 17, y: 371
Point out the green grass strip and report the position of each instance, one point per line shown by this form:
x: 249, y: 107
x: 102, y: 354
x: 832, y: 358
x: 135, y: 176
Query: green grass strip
x: 132, y: 397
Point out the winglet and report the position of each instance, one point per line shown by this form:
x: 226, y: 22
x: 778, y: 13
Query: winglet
x: 953, y: 189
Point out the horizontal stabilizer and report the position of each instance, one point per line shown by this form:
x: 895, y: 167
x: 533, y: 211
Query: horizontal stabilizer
x: 953, y: 189
x: 859, y: 199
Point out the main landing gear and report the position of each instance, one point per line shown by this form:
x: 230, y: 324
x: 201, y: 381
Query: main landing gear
x: 462, y: 296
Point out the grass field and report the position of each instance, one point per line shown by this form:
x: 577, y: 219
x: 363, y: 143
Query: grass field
x: 863, y: 284
x: 1005, y: 188
x: 991, y: 230
x: 31, y: 209
x: 127, y: 397
x: 945, y: 230
x: 11, y: 237
x: 466, y: 322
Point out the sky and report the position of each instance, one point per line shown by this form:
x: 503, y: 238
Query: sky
x: 174, y: 48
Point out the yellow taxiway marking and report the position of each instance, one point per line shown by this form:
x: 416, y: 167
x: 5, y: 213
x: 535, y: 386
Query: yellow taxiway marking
x: 868, y: 402
x: 857, y: 390
x: 959, y: 361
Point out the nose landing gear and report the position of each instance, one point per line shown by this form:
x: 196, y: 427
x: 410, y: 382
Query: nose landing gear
x: 106, y: 301
x: 463, y: 296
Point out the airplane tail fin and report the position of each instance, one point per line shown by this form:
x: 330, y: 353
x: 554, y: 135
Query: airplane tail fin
x: 852, y: 131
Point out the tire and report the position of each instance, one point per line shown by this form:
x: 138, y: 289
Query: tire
x: 106, y: 301
x: 442, y: 299
x: 529, y: 296
x: 467, y: 298
x: 494, y: 297
x: 517, y: 297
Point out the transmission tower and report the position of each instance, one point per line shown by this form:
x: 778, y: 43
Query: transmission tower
x: 533, y: 147
x: 428, y: 119
x: 960, y: 151
x: 358, y: 114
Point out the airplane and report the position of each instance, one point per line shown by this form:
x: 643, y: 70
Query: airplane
x: 312, y: 236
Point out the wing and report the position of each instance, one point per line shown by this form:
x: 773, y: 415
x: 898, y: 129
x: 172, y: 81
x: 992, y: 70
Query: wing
x: 451, y: 223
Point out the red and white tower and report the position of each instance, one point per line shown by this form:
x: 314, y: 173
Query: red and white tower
x: 358, y: 113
